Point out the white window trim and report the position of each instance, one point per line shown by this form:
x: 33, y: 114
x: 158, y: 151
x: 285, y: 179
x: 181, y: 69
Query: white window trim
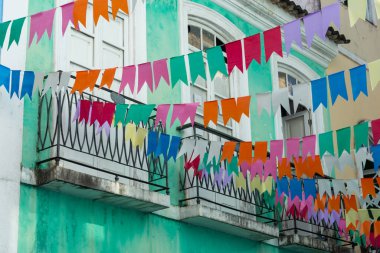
x: 201, y: 14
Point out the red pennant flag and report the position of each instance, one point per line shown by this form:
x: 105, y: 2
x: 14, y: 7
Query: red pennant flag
x: 85, y: 107
x: 108, y: 113
x: 273, y: 43
x: 96, y: 112
x: 252, y: 50
x: 234, y: 56
x: 375, y: 124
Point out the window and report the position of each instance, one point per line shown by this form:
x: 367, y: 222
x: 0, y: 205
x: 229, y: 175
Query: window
x: 202, y: 38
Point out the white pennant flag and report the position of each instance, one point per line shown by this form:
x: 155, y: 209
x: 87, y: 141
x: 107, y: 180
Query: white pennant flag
x: 329, y: 163
x: 64, y: 80
x: 52, y: 82
x: 214, y: 151
x: 301, y: 95
x: 353, y: 187
x: 361, y: 157
x: 324, y: 187
x: 264, y: 102
x: 38, y: 81
x: 280, y: 97
x: 339, y: 186
x: 346, y: 161
x: 187, y: 148
x: 200, y: 149
x: 132, y: 4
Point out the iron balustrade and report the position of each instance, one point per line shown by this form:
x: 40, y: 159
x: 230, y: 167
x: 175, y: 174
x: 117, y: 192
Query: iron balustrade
x: 62, y: 139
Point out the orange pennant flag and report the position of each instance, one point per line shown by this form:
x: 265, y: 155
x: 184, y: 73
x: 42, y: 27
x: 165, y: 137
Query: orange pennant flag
x: 365, y: 228
x: 80, y: 13
x: 108, y: 76
x: 350, y: 203
x: 119, y: 5
x: 243, y: 104
x: 84, y: 80
x: 368, y: 187
x: 228, y: 151
x: 313, y: 167
x: 233, y: 109
x: 245, y: 152
x: 284, y: 168
x: 211, y: 109
x: 299, y: 165
x: 100, y: 10
x: 378, y: 181
x: 376, y: 228
x: 320, y: 203
x: 334, y: 204
x: 261, y: 151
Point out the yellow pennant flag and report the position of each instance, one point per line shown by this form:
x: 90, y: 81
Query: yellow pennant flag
x: 240, y: 181
x: 268, y: 185
x: 140, y: 136
x: 357, y: 9
x: 374, y: 72
x: 352, y: 217
x: 130, y: 132
x: 256, y: 184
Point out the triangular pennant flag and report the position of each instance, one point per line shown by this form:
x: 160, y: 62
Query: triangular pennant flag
x: 280, y: 97
x: 376, y: 157
x: 313, y: 26
x: 273, y: 43
x: 67, y: 16
x: 368, y: 187
x: 139, y: 114
x: 197, y: 66
x: 337, y: 86
x: 187, y: 148
x: 356, y: 10
x: 163, y: 146
x: 80, y: 13
x: 152, y: 142
x: 301, y: 95
x: 100, y: 9
x: 276, y: 149
x: 64, y: 80
x: 183, y: 112
x: 361, y: 135
x: 326, y: 143
x: 160, y: 70
x: 245, y: 152
x: 339, y: 187
x: 216, y: 62
x: 85, y: 79
x: 233, y: 109
x: 211, y: 112
x: 38, y: 81
x: 162, y: 115
x: 108, y: 76
x: 119, y: 5
x: 120, y: 113
x: 292, y: 32
x: 5, y: 77
x: 308, y: 146
x: 16, y: 29
x: 252, y: 50
x: 145, y: 76
x: 214, y: 151
x: 39, y: 23
x: 234, y: 56
x: 324, y: 187
x: 51, y: 82
x: 310, y: 188
x: 292, y: 148
x: 174, y: 147
x: 27, y: 84
x: 3, y: 32
x: 330, y: 14
x: 344, y: 140
x: 264, y: 102
x: 128, y: 78
x: 359, y: 81
x: 178, y: 70
x: 15, y: 85
x: 228, y: 151
x: 374, y: 73
x: 319, y: 93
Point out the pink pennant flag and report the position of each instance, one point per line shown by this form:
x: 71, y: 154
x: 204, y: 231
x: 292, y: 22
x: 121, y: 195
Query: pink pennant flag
x: 257, y: 168
x: 145, y: 76
x: 245, y: 167
x: 128, y: 78
x: 162, y: 115
x: 183, y: 112
x: 234, y: 52
x: 279, y: 199
x: 96, y: 112
x: 292, y: 148
x: 39, y: 23
x: 67, y: 16
x: 375, y: 124
x: 308, y: 146
x: 270, y: 169
x: 85, y: 110
x: 160, y: 69
x: 276, y: 149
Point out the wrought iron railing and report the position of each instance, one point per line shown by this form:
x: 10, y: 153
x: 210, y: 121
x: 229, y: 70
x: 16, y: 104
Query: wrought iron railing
x: 62, y: 139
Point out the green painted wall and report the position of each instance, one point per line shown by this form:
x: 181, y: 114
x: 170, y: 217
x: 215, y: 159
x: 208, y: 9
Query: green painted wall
x: 51, y: 222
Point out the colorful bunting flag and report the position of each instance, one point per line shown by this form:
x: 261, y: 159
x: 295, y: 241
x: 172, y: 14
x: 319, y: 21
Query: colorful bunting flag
x: 252, y: 50
x: 375, y: 150
x: 183, y: 112
x: 3, y: 32
x: 85, y: 109
x: 108, y: 77
x: 308, y: 146
x: 359, y: 81
x: 27, y: 84
x: 128, y: 78
x: 292, y: 148
x: 374, y: 73
x: 368, y: 187
x: 162, y: 146
x: 119, y: 5
x: 344, y: 140
x: 152, y: 142
x: 228, y: 151
x: 178, y: 70
x: 331, y: 14
x: 216, y: 62
x: 292, y: 32
x: 264, y: 102
x: 160, y: 70
x: 234, y: 109
x: 214, y: 151
x: 139, y: 114
x: 313, y: 26
x: 211, y: 109
x: 301, y: 95
x: 319, y: 93
x: 273, y: 43
x: 261, y: 151
x: 5, y: 77
x: 100, y: 9
x: 361, y: 135
x: 80, y: 13
x: 67, y: 16
x: 276, y: 149
x: 375, y: 125
x: 338, y: 86
x: 280, y: 97
x: 16, y: 29
x: 121, y: 112
x: 356, y: 10
x: 162, y: 115
x: 197, y: 66
x: 15, y: 83
x: 145, y: 76
x: 39, y: 23
x: 85, y: 79
x: 234, y: 56
x: 174, y: 147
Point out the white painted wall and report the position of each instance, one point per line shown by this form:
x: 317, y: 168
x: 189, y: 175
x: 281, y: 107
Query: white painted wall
x: 11, y: 118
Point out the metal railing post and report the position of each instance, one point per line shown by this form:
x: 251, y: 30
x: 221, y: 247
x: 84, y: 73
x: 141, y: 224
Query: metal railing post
x: 59, y: 126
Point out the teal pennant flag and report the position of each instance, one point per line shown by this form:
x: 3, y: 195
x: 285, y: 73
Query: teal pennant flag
x: 121, y: 111
x: 344, y: 140
x: 3, y: 32
x: 139, y: 113
x: 361, y: 135
x: 326, y: 143
x: 197, y: 66
x: 233, y: 167
x: 178, y: 70
x: 216, y: 62
x: 16, y: 29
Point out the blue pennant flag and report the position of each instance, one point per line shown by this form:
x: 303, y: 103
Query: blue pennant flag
x: 359, y: 81
x: 163, y: 146
x: 283, y: 186
x: 15, y: 87
x: 296, y: 188
x: 5, y: 77
x: 376, y: 156
x: 27, y: 84
x: 174, y: 148
x: 338, y: 86
x: 152, y: 142
x: 309, y: 188
x: 319, y: 92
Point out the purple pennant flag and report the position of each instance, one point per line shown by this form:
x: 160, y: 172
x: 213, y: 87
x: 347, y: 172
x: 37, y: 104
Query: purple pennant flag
x: 276, y: 149
x: 330, y: 14
x: 162, y: 115
x: 160, y: 69
x: 292, y: 148
x: 183, y: 112
x: 227, y: 179
x: 308, y: 146
x: 128, y: 78
x: 334, y: 217
x: 39, y: 23
x: 313, y: 25
x: 257, y: 169
x: 67, y: 16
x: 292, y: 32
x: 145, y: 76
x: 218, y: 178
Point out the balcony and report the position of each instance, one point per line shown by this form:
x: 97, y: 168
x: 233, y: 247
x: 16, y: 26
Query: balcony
x: 80, y: 160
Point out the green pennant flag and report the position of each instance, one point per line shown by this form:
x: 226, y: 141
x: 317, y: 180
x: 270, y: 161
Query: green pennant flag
x: 3, y: 32
x: 216, y: 62
x: 178, y: 70
x: 197, y: 66
x: 206, y: 166
x: 16, y: 29
x: 326, y: 143
x: 139, y: 113
x: 344, y: 140
x: 121, y: 111
x: 361, y: 135
x: 233, y: 167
